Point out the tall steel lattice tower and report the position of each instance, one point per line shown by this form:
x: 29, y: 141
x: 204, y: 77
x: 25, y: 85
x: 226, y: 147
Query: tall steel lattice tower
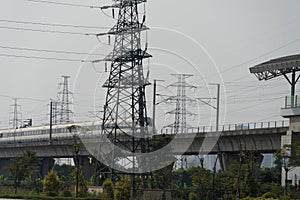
x: 125, y: 114
x: 180, y: 112
x: 16, y: 120
x: 62, y: 112
x: 180, y: 125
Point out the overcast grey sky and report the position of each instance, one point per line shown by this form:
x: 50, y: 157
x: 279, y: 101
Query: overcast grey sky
x: 216, y: 40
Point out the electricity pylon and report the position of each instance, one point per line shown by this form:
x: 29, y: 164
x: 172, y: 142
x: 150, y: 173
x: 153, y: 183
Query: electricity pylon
x: 61, y: 111
x: 16, y: 121
x: 125, y: 114
x: 180, y: 125
x: 180, y: 112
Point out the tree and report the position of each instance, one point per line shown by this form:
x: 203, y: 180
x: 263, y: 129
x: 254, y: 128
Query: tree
x: 123, y: 188
x: 23, y: 166
x: 80, y: 182
x: 288, y: 158
x: 201, y: 179
x: 51, y: 183
x: 76, y: 149
x: 108, y: 189
x: 162, y: 179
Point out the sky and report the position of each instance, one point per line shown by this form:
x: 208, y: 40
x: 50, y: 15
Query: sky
x: 216, y: 41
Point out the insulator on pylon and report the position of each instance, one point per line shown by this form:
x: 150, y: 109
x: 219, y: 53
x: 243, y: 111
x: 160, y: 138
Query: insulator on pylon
x: 109, y: 39
x: 105, y: 67
x: 113, y: 13
x: 144, y: 19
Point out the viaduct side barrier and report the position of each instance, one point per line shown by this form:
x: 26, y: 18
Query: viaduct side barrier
x: 227, y: 144
x: 266, y: 140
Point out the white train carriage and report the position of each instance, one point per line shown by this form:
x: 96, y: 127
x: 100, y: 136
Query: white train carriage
x: 42, y: 133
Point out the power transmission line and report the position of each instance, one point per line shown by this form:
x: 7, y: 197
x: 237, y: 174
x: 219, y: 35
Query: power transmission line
x: 25, y: 98
x: 51, y: 24
x: 262, y: 55
x: 47, y: 31
x: 64, y: 4
x: 45, y: 58
x: 49, y: 51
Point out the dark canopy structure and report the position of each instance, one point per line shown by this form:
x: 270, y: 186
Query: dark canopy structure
x: 279, y: 67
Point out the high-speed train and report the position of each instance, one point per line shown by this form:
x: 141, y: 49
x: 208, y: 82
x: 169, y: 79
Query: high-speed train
x: 42, y: 133
x: 59, y: 132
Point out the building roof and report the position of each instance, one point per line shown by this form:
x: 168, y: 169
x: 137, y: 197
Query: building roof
x: 276, y: 67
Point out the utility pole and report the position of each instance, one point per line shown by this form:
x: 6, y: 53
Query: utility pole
x: 51, y: 117
x: 217, y: 107
x: 125, y: 104
x: 154, y: 104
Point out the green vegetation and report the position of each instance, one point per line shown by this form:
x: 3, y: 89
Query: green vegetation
x: 244, y: 179
x: 22, y: 167
x: 123, y: 188
x: 108, y: 189
x: 51, y: 184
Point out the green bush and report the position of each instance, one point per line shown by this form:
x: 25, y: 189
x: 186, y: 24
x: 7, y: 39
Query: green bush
x: 285, y: 198
x: 192, y: 196
x: 51, y: 184
x: 66, y: 193
x: 123, y: 188
x: 108, y: 189
x: 269, y: 195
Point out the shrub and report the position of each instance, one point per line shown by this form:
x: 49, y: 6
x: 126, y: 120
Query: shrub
x: 108, y: 189
x: 285, y: 198
x: 192, y: 196
x: 51, y: 184
x: 269, y: 195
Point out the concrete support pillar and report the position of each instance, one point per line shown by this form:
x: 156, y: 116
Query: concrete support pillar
x: 4, y: 163
x: 227, y: 159
x: 46, y: 164
x: 88, y: 168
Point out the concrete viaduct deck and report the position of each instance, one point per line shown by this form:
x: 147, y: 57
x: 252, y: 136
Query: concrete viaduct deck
x: 264, y: 140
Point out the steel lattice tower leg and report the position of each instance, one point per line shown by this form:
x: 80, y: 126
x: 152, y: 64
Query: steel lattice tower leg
x: 125, y: 113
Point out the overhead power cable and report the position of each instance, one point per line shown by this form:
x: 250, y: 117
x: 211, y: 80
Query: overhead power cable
x: 51, y: 24
x: 64, y: 4
x: 262, y: 55
x: 45, y: 58
x: 47, y: 31
x: 25, y: 98
x: 50, y: 51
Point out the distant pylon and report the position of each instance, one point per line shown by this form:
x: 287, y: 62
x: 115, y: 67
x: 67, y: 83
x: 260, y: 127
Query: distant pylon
x: 180, y: 125
x: 62, y: 112
x: 16, y: 115
x: 180, y: 112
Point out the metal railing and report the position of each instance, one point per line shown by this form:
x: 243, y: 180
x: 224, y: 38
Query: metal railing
x: 231, y: 127
x: 292, y: 102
